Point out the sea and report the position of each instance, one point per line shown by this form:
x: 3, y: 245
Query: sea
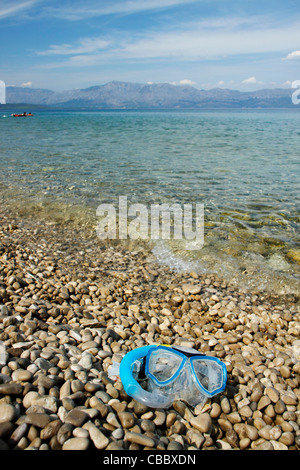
x: 242, y: 166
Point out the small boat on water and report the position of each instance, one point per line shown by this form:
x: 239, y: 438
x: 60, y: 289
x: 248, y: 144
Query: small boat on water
x: 22, y: 115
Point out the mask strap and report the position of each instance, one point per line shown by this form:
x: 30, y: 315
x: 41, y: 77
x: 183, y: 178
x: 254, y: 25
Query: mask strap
x: 132, y: 387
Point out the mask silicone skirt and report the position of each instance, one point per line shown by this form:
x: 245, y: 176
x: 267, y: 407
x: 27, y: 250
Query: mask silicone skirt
x: 156, y: 375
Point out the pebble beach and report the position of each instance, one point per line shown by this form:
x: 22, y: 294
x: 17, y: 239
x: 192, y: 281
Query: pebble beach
x: 70, y: 307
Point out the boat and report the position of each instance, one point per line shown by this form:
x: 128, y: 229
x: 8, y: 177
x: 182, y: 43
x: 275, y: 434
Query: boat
x: 22, y: 115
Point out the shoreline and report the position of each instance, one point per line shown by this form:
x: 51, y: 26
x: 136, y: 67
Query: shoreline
x: 70, y: 307
x: 266, y: 266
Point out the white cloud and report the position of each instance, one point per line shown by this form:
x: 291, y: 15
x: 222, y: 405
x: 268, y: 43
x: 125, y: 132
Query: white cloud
x: 250, y: 80
x: 293, y: 56
x: 184, y: 82
x: 26, y: 84
x: 84, y: 46
x: 92, y: 8
x: 187, y: 82
x: 207, y: 40
x: 10, y: 9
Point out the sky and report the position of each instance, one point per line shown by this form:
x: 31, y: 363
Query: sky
x: 59, y: 45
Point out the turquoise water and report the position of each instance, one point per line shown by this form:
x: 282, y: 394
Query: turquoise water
x: 243, y: 166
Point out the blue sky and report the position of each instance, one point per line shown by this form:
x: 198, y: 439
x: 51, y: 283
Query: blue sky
x: 69, y: 44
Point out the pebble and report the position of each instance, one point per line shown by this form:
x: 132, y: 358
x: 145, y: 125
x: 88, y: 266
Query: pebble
x: 80, y: 432
x: 76, y: 417
x: 51, y: 429
x: 18, y: 433
x: 287, y: 438
x: 3, y: 311
x: 140, y: 439
x: 99, y: 439
x: 76, y: 443
x: 11, y: 389
x: 7, y: 413
x: 64, y: 433
x: 232, y: 438
x: 40, y: 420
x: 47, y: 402
x: 273, y: 394
x: 112, y: 420
x: 202, y: 422
x: 127, y: 419
x: 29, y: 398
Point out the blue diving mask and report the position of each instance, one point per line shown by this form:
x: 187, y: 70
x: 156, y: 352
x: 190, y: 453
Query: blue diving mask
x: 158, y: 375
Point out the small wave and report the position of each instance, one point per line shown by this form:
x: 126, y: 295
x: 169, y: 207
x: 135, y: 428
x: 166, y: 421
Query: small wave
x: 250, y: 272
x: 168, y: 258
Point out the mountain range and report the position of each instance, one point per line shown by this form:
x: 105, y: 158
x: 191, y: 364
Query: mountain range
x: 125, y: 95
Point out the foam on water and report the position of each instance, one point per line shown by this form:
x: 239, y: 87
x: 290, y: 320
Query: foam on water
x: 250, y: 272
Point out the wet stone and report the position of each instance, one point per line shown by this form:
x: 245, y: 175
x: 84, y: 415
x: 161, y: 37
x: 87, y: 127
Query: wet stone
x: 280, y: 407
x: 264, y: 446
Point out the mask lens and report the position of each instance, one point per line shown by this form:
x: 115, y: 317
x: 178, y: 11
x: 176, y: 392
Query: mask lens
x: 208, y: 373
x: 163, y: 365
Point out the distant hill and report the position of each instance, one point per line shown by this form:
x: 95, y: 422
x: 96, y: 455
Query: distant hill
x: 124, y: 95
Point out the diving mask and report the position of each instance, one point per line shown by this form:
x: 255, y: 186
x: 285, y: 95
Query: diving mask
x: 171, y: 373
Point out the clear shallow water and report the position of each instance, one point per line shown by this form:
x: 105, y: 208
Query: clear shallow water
x: 244, y: 167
